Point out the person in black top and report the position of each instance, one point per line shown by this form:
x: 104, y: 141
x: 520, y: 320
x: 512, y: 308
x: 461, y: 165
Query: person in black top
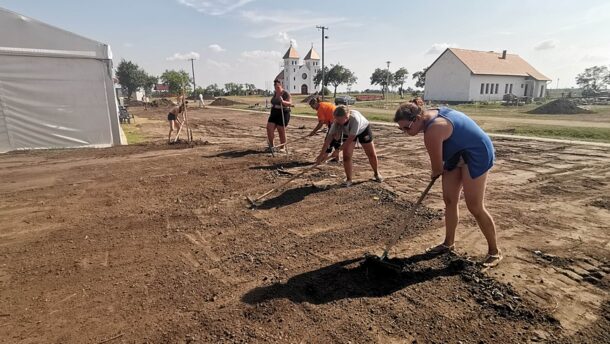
x: 280, y: 113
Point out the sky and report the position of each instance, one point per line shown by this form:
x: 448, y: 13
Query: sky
x: 243, y: 41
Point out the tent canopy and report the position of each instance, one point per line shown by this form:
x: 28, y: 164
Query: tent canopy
x: 56, y: 88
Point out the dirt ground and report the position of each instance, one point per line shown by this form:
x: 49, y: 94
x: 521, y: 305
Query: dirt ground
x: 155, y: 243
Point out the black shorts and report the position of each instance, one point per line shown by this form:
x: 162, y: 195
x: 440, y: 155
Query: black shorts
x: 171, y: 117
x: 365, y: 137
x: 276, y: 117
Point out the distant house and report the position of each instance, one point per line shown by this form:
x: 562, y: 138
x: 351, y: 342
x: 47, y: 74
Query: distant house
x: 460, y: 75
x: 161, y: 88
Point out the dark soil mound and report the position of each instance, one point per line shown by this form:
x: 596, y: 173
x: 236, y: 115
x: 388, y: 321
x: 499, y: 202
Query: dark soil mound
x: 560, y: 106
x: 161, y: 102
x: 224, y: 102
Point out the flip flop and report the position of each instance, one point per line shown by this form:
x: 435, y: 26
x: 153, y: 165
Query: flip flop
x: 492, y: 260
x: 440, y: 249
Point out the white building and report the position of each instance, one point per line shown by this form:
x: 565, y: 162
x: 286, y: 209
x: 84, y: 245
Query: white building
x: 298, y: 78
x: 460, y: 75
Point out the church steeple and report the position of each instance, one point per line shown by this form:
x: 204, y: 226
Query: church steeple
x: 291, y: 53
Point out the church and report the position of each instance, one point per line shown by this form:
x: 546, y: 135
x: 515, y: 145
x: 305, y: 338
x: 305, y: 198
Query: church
x: 298, y: 78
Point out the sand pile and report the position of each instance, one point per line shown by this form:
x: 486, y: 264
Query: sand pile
x: 560, y: 106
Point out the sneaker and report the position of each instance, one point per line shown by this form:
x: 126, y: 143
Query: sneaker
x: 347, y: 183
x: 378, y: 178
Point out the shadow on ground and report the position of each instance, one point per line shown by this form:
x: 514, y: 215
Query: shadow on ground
x: 282, y: 165
x: 237, y: 153
x: 290, y: 196
x: 353, y: 278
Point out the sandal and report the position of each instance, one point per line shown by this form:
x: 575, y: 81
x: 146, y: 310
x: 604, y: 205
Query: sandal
x: 492, y: 260
x: 440, y: 249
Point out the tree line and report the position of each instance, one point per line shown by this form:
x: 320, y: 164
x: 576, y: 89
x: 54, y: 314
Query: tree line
x: 132, y: 77
x: 593, y: 80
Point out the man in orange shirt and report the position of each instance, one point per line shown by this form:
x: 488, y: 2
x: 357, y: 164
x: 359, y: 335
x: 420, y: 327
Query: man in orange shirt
x: 325, y: 111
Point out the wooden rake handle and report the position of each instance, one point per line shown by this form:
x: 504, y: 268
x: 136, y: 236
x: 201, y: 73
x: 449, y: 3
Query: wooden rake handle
x: 288, y: 181
x: 410, y: 215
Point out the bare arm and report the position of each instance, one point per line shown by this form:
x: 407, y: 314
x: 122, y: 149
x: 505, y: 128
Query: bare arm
x: 315, y: 130
x: 433, y: 139
x: 287, y: 102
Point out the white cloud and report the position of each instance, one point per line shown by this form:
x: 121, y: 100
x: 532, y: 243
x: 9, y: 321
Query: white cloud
x: 185, y: 56
x: 282, y: 37
x: 273, y: 22
x: 214, y: 7
x: 546, y: 45
x: 128, y: 45
x: 438, y: 48
x: 216, y: 48
x: 262, y: 54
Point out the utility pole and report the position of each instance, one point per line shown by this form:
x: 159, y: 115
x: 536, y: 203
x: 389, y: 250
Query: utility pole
x: 387, y: 87
x: 193, y: 71
x: 323, y: 38
x: 557, y: 87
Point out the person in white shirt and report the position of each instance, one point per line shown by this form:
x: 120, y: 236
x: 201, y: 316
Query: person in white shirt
x: 348, y: 127
x: 201, y: 103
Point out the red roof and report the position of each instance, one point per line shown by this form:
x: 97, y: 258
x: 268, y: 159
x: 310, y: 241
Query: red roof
x: 161, y: 87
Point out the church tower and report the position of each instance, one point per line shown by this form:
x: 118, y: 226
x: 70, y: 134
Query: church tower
x: 312, y: 66
x: 291, y: 69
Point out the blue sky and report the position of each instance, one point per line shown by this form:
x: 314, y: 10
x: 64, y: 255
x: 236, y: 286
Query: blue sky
x: 243, y: 40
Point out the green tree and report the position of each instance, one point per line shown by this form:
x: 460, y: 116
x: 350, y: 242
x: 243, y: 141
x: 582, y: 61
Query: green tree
x: 400, y: 77
x: 149, y: 82
x: 382, y: 77
x: 131, y: 77
x: 318, y: 78
x: 212, y: 90
x: 593, y: 80
x: 420, y: 77
x: 233, y: 89
x: 339, y: 75
x: 176, y: 81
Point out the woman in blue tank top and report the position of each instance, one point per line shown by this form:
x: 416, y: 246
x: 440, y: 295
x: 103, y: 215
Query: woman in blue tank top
x: 462, y: 153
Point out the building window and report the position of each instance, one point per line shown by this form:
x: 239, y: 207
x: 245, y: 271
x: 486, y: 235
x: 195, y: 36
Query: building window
x: 497, y: 87
x: 482, y: 88
x: 486, y: 88
x: 541, y: 91
x: 521, y: 85
x: 505, y: 88
x: 510, y: 89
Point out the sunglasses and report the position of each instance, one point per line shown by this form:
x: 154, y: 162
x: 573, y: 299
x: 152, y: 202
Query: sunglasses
x: 407, y: 127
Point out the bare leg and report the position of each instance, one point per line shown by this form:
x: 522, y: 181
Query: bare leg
x: 348, y: 151
x: 270, y: 133
x: 171, y: 128
x: 282, y: 131
x: 369, y: 150
x: 452, y: 184
x: 474, y: 193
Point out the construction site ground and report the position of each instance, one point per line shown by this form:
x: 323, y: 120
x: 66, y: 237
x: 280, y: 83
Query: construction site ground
x: 156, y: 243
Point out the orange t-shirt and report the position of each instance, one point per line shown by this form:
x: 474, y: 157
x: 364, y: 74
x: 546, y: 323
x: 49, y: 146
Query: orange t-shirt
x: 325, y: 112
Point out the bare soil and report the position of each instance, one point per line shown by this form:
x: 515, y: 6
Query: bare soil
x: 155, y: 243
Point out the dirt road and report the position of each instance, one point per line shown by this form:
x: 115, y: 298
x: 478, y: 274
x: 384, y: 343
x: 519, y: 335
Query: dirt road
x: 155, y: 243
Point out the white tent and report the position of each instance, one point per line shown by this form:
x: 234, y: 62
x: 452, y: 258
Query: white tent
x: 56, y: 88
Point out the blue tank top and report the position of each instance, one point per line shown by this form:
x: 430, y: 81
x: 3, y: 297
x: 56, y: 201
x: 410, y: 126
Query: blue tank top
x: 467, y: 140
